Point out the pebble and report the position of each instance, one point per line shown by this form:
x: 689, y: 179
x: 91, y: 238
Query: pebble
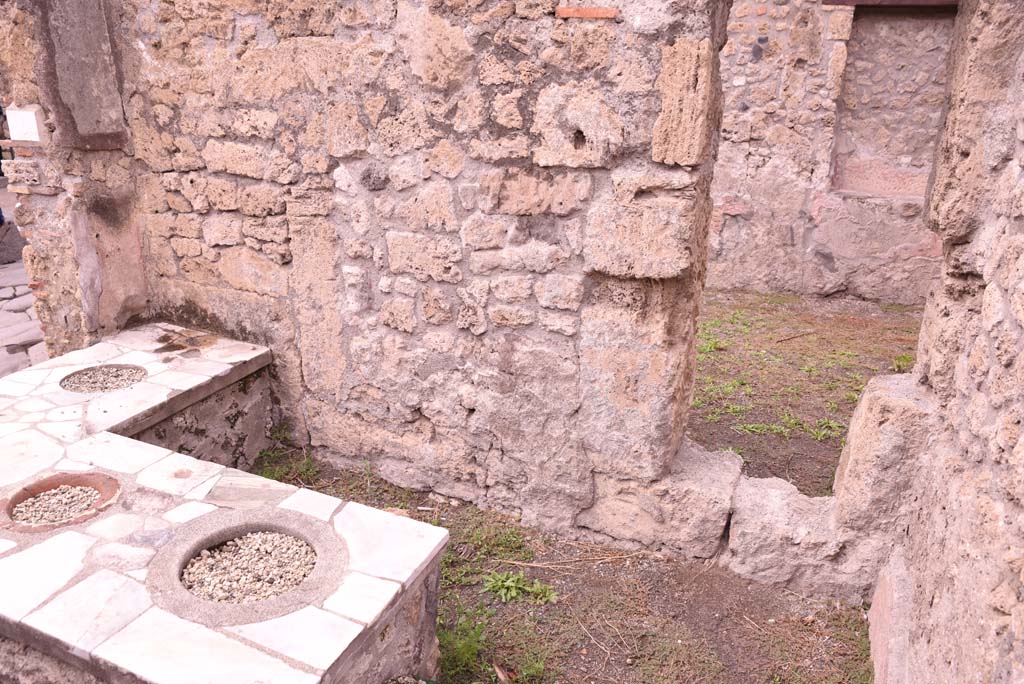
x: 55, y: 505
x: 103, y: 378
x: 253, y: 567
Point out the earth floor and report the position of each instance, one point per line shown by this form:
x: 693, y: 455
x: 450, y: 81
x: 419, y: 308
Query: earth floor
x: 778, y: 377
x: 588, y: 614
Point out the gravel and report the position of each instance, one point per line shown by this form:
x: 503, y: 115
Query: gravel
x: 103, y: 378
x: 253, y: 567
x: 55, y: 505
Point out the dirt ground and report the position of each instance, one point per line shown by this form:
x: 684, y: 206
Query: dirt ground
x: 778, y: 377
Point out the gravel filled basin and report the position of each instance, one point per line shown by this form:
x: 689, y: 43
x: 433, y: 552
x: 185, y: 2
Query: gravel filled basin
x: 105, y: 378
x: 253, y: 567
x: 56, y: 505
x: 58, y: 500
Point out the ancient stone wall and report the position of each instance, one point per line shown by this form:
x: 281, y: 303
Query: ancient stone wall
x: 948, y: 607
x: 827, y: 139
x: 473, y: 233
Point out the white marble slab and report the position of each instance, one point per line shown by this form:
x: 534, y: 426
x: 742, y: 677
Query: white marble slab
x: 90, y: 612
x: 31, y: 576
x: 309, y: 635
x: 161, y: 647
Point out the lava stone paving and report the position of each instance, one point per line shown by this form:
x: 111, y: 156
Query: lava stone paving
x: 21, y: 336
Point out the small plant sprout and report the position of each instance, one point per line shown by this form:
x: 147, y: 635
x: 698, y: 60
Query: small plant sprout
x: 903, y: 363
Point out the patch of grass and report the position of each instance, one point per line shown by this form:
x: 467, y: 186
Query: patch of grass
x: 711, y: 345
x: 479, y: 539
x: 525, y: 652
x: 825, y: 428
x: 791, y: 421
x: 737, y: 409
x: 676, y: 656
x: 851, y: 397
x: 903, y: 363
x: 762, y: 429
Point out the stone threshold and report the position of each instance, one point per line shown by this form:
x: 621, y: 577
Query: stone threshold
x: 102, y: 594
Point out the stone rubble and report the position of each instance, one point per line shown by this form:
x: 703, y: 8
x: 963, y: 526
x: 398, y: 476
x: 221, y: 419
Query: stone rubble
x: 253, y: 567
x: 55, y: 505
x: 105, y: 378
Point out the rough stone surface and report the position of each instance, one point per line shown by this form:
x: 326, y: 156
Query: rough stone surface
x: 949, y: 601
x: 827, y: 139
x: 230, y: 427
x: 412, y: 206
x: 23, y: 664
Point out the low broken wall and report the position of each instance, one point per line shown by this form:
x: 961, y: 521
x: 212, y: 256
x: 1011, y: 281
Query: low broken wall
x: 473, y: 233
x: 827, y: 142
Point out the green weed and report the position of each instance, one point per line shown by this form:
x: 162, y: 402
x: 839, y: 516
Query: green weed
x: 463, y: 643
x: 762, y: 429
x: 903, y: 363
x: 513, y: 586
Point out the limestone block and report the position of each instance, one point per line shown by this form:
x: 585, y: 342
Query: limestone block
x: 776, y: 532
x: 409, y: 130
x: 686, y: 511
x: 438, y: 52
x: 424, y: 256
x: 222, y: 193
x: 558, y: 322
x: 645, y: 239
x: 271, y: 229
x: 399, y: 313
x: 261, y: 199
x: 840, y: 23
x: 894, y: 423
x: 446, y: 159
x: 305, y: 201
x: 492, y: 150
x: 471, y: 314
x: 345, y: 134
x: 222, y: 229
x: 522, y: 194
x: 556, y: 291
x: 244, y: 269
x: 505, y: 109
x: 513, y: 288
x: 432, y: 208
x: 481, y: 231
x: 235, y: 158
x: 436, y: 309
x: 577, y: 127
x: 87, y: 77
x: 688, y: 86
x: 510, y: 315
x: 636, y: 369
x: 534, y: 256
